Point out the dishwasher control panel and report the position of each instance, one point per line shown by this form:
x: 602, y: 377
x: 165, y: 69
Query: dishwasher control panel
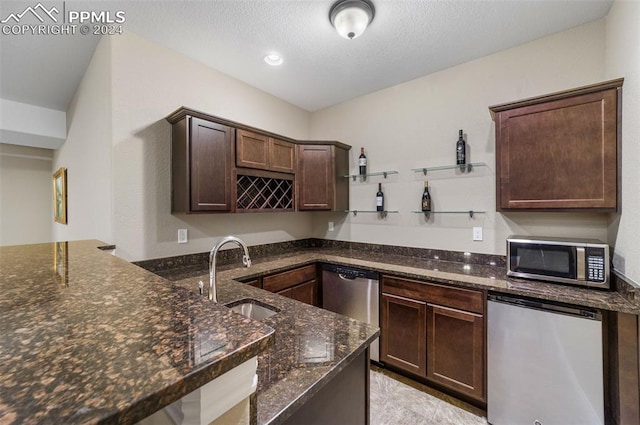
x: 348, y: 272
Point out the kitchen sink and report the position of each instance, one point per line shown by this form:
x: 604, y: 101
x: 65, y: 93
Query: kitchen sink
x: 253, y: 309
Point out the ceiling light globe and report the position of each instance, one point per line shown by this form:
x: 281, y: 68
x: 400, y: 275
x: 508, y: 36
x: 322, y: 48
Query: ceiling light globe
x: 351, y: 17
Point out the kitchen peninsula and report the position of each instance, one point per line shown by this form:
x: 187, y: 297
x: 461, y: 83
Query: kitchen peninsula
x: 86, y: 337
x: 462, y: 273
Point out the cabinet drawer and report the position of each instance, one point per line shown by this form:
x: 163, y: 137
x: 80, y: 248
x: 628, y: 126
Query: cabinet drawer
x: 284, y: 280
x: 460, y: 298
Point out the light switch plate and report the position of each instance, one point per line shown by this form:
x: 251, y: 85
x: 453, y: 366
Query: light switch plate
x: 331, y: 226
x: 477, y: 233
x: 182, y: 236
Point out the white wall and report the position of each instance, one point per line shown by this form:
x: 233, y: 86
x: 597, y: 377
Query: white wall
x: 148, y: 83
x: 416, y: 124
x: 29, y: 125
x: 87, y: 154
x: 623, y: 60
x: 26, y: 195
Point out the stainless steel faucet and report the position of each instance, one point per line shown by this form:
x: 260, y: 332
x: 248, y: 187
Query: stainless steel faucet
x: 213, y: 294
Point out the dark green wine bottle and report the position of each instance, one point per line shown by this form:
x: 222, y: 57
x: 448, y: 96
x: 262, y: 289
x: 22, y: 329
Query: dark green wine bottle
x: 426, y: 198
x: 379, y: 198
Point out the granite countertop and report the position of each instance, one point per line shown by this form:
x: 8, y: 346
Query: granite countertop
x: 471, y: 275
x: 312, y: 344
x: 86, y: 337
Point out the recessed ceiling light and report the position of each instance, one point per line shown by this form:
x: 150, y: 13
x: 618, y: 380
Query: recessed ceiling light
x: 273, y: 59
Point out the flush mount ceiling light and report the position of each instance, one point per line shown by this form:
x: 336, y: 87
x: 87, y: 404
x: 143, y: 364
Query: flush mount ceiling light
x: 273, y: 59
x: 351, y: 17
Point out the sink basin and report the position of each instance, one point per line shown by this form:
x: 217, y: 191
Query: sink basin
x: 253, y: 309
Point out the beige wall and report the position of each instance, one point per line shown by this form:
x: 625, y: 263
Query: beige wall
x: 87, y: 154
x: 416, y: 124
x: 117, y: 130
x: 623, y: 60
x: 148, y: 83
x: 26, y: 195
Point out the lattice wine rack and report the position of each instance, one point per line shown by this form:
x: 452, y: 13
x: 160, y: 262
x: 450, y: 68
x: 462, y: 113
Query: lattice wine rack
x: 263, y: 193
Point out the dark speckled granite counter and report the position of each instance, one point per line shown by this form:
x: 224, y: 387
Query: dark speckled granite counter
x: 311, y: 345
x: 288, y: 376
x: 86, y: 337
x: 471, y: 274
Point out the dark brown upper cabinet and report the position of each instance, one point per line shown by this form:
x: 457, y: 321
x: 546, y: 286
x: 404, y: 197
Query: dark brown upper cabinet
x: 282, y: 156
x: 560, y: 151
x: 202, y: 166
x: 259, y: 151
x: 223, y: 166
x: 321, y: 184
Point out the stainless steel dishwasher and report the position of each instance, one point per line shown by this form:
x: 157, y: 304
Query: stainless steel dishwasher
x: 544, y: 363
x: 354, y: 293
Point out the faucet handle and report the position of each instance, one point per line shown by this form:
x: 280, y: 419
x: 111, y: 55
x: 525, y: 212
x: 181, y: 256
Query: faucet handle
x: 246, y: 261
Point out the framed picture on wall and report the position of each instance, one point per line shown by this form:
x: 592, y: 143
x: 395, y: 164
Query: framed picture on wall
x: 60, y: 195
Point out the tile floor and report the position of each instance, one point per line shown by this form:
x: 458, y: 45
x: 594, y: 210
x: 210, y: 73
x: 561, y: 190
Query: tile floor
x: 396, y: 400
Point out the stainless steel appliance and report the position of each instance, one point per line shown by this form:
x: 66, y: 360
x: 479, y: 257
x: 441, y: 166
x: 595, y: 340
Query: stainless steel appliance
x: 583, y: 262
x: 544, y: 363
x: 354, y: 293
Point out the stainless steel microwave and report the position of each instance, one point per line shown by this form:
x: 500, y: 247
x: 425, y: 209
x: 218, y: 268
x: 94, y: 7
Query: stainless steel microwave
x: 583, y: 262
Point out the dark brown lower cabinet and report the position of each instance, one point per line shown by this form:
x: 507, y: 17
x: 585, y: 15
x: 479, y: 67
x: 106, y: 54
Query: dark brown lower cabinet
x: 403, y: 330
x: 306, y: 292
x: 455, y: 349
x: 435, y: 332
x: 300, y: 284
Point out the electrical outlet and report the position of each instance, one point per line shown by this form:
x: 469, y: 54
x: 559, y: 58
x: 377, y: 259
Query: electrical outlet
x: 331, y: 226
x: 182, y: 236
x: 477, y: 233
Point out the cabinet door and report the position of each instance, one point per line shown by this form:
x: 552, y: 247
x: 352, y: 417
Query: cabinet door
x: 252, y: 150
x: 254, y: 282
x: 559, y: 154
x: 287, y: 279
x: 211, y: 165
x: 403, y: 333
x: 282, y: 156
x: 315, y: 177
x: 455, y: 350
x: 286, y: 293
x: 307, y: 292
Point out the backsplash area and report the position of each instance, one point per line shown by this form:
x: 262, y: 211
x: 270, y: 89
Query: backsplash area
x: 198, y: 263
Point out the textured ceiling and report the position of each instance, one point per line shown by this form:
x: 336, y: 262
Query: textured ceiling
x: 406, y: 40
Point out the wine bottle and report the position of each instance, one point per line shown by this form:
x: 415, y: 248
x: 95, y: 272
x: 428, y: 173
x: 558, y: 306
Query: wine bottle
x: 362, y: 161
x: 460, y: 151
x: 379, y: 198
x: 426, y: 198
